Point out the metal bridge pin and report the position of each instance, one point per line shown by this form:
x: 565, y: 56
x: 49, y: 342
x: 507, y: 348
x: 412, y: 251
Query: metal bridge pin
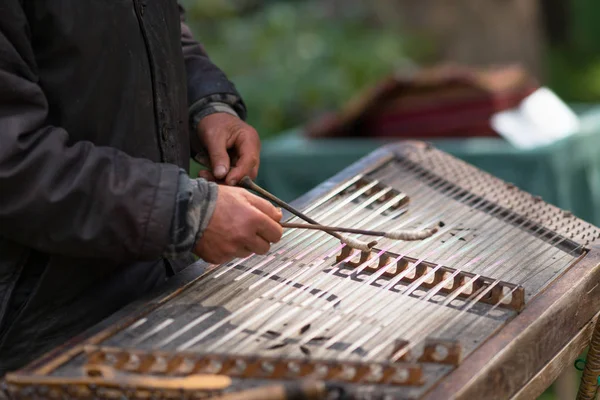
x: 440, y: 353
x: 160, y: 364
x: 376, y: 373
x: 401, y: 375
x: 214, y: 366
x: 186, y: 366
x: 133, y: 363
x: 267, y: 367
x: 111, y: 359
x: 240, y: 366
x: 348, y: 372
x: 321, y: 370
x: 294, y: 368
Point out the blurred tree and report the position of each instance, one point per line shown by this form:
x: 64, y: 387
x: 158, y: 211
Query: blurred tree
x: 573, y: 60
x: 556, y: 21
x: 476, y: 32
x: 293, y: 59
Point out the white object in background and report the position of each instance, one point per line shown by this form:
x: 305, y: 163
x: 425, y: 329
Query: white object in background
x: 541, y: 119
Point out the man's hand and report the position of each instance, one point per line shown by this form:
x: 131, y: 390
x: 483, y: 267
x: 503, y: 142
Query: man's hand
x: 241, y: 224
x: 225, y: 135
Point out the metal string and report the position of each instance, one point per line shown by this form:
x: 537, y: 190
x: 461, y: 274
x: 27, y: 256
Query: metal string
x: 291, y: 246
x: 468, y: 306
x: 311, y: 300
x: 295, y: 244
x: 512, y: 291
x: 440, y: 313
x: 306, y: 288
x: 432, y: 292
x: 410, y: 289
x: 199, y: 337
x: 514, y: 216
x: 300, y: 252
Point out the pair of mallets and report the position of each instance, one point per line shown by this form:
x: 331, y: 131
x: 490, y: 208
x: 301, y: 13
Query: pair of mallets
x: 406, y: 235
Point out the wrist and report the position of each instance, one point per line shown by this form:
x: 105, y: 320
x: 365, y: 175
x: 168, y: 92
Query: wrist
x: 215, y: 103
x: 210, y: 109
x: 194, y: 206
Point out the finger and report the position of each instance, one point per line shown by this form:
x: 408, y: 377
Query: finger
x: 270, y: 230
x: 234, y: 159
x: 248, y: 149
x: 219, y: 260
x: 217, y: 152
x: 258, y: 245
x: 243, y: 253
x: 207, y: 175
x: 265, y: 207
x: 254, y: 172
x: 202, y: 159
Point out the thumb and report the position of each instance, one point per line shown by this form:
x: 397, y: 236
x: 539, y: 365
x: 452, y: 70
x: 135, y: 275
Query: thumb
x: 219, y: 158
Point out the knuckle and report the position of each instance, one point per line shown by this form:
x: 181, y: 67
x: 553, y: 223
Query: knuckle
x: 256, y: 218
x: 263, y: 249
x: 279, y: 235
x: 231, y: 250
x: 223, y: 260
x: 238, y: 238
x: 251, y: 130
x: 238, y: 129
x: 210, y: 133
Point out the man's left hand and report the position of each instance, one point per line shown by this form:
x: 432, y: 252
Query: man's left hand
x: 233, y: 148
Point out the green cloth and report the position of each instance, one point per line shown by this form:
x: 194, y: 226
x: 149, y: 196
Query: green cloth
x: 566, y: 173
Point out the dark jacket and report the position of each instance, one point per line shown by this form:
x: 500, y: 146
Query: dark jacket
x: 94, y: 128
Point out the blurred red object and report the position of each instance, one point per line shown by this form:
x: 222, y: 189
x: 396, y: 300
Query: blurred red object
x: 442, y: 102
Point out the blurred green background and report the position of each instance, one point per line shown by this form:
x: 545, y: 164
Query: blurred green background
x: 294, y: 60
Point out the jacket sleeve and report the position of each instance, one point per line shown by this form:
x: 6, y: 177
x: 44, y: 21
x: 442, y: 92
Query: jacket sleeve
x: 206, y: 82
x: 73, y: 199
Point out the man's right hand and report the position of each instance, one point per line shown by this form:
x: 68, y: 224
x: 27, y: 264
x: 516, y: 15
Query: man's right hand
x: 241, y: 224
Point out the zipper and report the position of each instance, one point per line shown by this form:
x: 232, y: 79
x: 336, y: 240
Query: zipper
x: 139, y: 13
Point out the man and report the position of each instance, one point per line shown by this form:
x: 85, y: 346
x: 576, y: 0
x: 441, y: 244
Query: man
x: 101, y: 105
